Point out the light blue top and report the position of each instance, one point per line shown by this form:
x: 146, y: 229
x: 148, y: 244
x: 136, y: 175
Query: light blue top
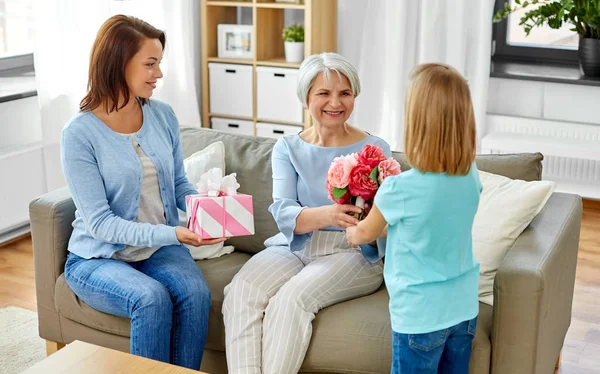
x: 430, y: 271
x: 300, y: 178
x: 104, y: 175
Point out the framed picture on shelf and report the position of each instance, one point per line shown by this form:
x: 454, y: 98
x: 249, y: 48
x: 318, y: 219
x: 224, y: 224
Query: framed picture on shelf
x: 235, y: 41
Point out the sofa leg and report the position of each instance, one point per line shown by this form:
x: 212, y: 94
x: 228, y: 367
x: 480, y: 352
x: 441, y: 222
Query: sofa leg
x: 558, y: 359
x: 53, y: 347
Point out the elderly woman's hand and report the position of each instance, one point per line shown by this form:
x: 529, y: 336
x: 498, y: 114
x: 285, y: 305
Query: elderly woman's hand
x: 342, y: 215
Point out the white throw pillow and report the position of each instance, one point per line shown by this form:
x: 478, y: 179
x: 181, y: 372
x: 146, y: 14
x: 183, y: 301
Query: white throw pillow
x: 213, y: 156
x: 506, y: 208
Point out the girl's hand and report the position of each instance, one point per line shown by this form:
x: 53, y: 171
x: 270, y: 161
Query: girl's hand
x: 342, y: 215
x: 367, y: 209
x: 186, y: 236
x: 351, y: 236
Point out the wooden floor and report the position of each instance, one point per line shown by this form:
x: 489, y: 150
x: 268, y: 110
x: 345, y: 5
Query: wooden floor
x: 581, y: 353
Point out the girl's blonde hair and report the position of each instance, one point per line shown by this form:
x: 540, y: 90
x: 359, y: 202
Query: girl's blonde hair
x: 439, y: 123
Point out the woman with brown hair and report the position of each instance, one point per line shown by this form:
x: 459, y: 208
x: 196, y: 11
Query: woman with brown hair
x: 122, y: 159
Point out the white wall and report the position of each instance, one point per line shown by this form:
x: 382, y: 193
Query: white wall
x: 19, y: 123
x: 21, y: 162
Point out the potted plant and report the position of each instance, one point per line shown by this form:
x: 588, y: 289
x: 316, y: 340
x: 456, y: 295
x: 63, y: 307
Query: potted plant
x: 293, y: 38
x: 584, y: 15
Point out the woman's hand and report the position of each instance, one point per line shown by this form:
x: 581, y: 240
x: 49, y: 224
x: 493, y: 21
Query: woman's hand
x: 186, y: 236
x: 342, y: 215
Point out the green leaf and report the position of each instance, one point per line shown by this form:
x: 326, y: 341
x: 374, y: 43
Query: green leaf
x: 339, y: 192
x: 374, y: 174
x: 518, y: 2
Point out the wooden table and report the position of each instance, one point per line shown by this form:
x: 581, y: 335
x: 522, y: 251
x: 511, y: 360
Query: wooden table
x: 79, y: 357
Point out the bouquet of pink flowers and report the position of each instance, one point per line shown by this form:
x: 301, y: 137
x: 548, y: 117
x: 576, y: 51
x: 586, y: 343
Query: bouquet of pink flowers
x: 355, y: 178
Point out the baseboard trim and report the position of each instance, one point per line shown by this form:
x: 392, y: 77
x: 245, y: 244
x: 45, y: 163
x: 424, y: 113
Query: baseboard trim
x: 14, y: 233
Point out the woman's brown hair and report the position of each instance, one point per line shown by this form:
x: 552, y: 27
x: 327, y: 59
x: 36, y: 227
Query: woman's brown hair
x: 439, y: 122
x: 118, y: 40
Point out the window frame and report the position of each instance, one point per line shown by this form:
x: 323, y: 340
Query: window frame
x: 502, y: 51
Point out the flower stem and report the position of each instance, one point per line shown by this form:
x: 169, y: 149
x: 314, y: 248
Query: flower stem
x: 360, y: 202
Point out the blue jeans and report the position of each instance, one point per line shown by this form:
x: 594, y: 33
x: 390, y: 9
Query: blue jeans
x: 446, y: 351
x: 165, y: 296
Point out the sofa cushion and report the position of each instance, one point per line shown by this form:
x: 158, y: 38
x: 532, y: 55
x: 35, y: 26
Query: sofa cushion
x: 250, y: 158
x: 218, y: 273
x: 356, y: 335
x: 506, y: 208
x: 524, y: 166
x: 196, y: 166
x: 70, y: 306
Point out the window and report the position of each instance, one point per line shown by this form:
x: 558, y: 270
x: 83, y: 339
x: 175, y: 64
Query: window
x: 542, y: 44
x: 16, y: 34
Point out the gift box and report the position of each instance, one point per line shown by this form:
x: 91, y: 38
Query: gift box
x: 221, y: 216
x: 219, y: 211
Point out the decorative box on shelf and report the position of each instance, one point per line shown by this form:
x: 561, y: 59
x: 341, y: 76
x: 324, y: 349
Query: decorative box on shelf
x: 276, y: 130
x: 230, y: 89
x: 235, y: 126
x: 276, y: 95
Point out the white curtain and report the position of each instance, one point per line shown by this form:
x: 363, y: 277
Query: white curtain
x: 385, y: 39
x: 64, y: 33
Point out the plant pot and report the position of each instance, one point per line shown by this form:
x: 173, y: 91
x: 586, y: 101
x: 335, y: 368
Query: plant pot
x: 589, y: 56
x: 294, y: 51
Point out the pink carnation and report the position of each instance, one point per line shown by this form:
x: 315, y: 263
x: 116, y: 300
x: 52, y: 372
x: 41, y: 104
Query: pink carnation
x: 339, y: 171
x: 388, y: 167
x: 371, y: 155
x: 360, y: 182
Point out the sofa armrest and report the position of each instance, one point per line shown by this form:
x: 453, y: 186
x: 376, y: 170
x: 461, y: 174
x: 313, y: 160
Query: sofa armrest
x: 51, y: 216
x: 533, y: 290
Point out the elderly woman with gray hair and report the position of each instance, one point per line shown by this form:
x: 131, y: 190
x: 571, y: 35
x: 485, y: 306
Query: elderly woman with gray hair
x: 270, y: 304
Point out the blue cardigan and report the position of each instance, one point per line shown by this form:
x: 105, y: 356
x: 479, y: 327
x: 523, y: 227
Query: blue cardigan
x: 104, y: 175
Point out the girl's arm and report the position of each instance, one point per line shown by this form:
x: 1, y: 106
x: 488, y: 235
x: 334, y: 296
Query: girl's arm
x: 368, y: 229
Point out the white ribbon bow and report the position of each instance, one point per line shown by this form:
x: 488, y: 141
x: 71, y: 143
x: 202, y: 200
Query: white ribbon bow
x: 213, y: 183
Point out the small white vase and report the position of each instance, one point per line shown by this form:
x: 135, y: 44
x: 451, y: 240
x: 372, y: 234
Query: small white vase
x: 294, y: 51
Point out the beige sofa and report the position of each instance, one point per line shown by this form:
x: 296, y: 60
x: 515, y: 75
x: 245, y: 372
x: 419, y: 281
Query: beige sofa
x: 523, y: 333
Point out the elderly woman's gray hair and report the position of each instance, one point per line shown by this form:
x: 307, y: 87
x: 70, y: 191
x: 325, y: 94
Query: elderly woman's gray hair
x: 324, y: 63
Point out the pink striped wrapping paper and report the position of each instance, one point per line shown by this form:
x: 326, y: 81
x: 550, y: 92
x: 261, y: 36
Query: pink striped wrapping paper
x: 222, y: 216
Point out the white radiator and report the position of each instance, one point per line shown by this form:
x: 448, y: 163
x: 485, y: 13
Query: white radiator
x: 571, y: 151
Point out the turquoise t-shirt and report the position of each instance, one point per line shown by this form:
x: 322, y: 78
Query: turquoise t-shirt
x: 430, y: 271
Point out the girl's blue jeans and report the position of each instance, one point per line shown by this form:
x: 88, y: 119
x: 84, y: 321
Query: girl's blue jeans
x: 165, y: 296
x: 445, y: 352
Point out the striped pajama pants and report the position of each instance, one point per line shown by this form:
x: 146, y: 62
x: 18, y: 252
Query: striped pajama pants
x: 271, y: 302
